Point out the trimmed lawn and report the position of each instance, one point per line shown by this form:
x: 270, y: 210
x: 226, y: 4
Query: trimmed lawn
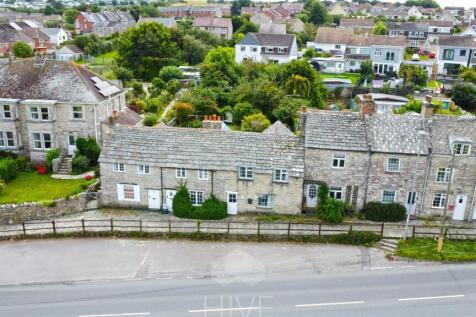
x: 32, y: 186
x: 105, y: 59
x: 434, y: 84
x: 352, y: 76
x: 425, y: 249
x: 408, y: 57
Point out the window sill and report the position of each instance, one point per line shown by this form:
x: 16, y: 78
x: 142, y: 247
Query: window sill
x: 280, y: 182
x: 246, y: 179
x: 393, y: 172
x: 264, y: 207
x: 437, y: 207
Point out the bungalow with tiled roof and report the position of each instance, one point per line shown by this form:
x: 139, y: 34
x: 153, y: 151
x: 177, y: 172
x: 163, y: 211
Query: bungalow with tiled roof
x: 260, y: 47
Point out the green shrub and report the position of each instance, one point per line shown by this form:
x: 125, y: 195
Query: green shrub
x: 80, y: 164
x: 97, y: 172
x: 355, y: 238
x: 377, y: 211
x: 173, y: 86
x: 8, y: 169
x: 323, y: 193
x: 150, y: 120
x: 51, y: 155
x: 332, y: 211
x: 89, y: 148
x: 181, y: 204
x: 212, y: 209
x: 2, y: 185
x: 23, y: 163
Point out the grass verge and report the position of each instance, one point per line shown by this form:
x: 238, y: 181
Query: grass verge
x: 31, y: 186
x: 352, y: 76
x: 425, y: 249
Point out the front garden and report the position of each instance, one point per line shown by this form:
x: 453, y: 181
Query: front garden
x: 32, y: 186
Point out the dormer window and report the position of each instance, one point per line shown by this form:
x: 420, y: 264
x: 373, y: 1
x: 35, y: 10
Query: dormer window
x: 461, y: 148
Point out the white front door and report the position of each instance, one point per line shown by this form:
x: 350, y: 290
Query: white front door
x: 169, y: 198
x: 460, y: 206
x: 311, y: 195
x: 232, y: 203
x: 410, y: 204
x: 474, y: 212
x: 154, y: 198
x: 71, y: 144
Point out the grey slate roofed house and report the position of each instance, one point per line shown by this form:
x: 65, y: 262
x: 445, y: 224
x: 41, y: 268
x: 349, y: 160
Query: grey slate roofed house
x: 51, y: 105
x: 261, y: 47
x: 445, y: 129
x: 334, y: 130
x: 167, y: 22
x: 221, y: 27
x: 258, y: 172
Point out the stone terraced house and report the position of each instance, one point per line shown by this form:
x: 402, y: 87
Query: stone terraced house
x: 50, y: 105
x: 371, y: 156
x: 257, y: 172
x: 362, y: 156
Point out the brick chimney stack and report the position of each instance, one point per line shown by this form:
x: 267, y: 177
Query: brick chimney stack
x: 427, y: 108
x: 366, y: 105
x: 212, y: 122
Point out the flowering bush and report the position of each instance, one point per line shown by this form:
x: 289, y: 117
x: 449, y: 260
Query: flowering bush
x: 88, y: 177
x: 41, y: 169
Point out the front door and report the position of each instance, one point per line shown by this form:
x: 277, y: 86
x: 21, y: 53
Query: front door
x: 232, y: 203
x: 169, y: 198
x: 410, y: 204
x: 154, y: 198
x: 311, y: 195
x: 474, y: 212
x: 71, y: 144
x: 460, y: 206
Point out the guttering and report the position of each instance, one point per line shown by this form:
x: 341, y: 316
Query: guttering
x: 425, y: 184
x: 472, y: 213
x: 367, y: 176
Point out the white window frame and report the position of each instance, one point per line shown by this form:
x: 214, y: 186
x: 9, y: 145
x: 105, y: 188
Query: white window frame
x: 462, y: 148
x: 242, y: 48
x: 180, y: 172
x: 196, y: 197
x: 385, y: 193
x: 392, y: 170
x: 126, y: 190
x: 441, y: 198
x: 39, y: 113
x: 379, y: 51
x: 248, y: 173
x: 335, y: 191
x: 9, y: 111
x: 338, y: 159
x: 76, y: 112
x: 118, y: 167
x: 4, y: 139
x: 202, y: 175
x: 281, y: 175
x: 267, y: 198
x: 446, y: 176
x: 143, y: 169
x: 42, y: 140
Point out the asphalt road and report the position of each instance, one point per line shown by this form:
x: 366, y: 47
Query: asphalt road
x: 398, y: 289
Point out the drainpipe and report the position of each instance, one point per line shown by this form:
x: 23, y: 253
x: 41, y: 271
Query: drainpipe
x: 473, y: 206
x: 367, y: 176
x: 212, y: 181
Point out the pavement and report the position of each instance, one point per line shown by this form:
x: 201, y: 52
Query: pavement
x: 108, y: 277
x: 68, y: 176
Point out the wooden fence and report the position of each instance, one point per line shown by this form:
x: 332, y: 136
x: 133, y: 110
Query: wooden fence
x: 226, y: 228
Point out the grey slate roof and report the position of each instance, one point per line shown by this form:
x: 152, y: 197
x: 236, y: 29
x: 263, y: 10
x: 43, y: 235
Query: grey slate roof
x: 445, y: 128
x: 457, y: 41
x: 55, y: 80
x: 335, y: 130
x: 277, y: 129
x: 408, y: 26
x: 391, y: 133
x: 203, y: 149
x: 268, y: 39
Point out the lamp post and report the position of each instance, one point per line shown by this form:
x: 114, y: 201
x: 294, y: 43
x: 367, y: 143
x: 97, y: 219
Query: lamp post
x: 421, y: 135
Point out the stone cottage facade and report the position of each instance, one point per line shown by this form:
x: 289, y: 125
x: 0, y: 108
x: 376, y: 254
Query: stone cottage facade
x: 51, y: 104
x: 256, y: 172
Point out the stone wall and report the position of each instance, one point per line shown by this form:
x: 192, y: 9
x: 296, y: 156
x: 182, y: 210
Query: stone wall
x: 16, y: 213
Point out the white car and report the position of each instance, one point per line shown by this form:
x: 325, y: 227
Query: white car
x: 415, y: 57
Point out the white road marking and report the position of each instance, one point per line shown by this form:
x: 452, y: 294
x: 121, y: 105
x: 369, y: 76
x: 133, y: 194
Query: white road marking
x: 331, y: 304
x: 227, y: 309
x: 407, y: 266
x: 381, y: 268
x: 429, y: 298
x: 117, y: 315
x: 132, y: 279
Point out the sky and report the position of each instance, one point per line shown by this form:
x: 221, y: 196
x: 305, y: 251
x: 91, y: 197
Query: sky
x: 447, y: 3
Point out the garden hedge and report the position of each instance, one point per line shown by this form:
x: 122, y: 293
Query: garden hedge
x: 8, y: 169
x: 377, y: 211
